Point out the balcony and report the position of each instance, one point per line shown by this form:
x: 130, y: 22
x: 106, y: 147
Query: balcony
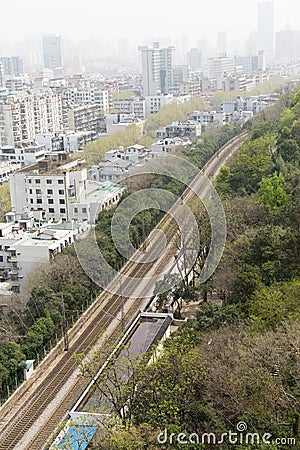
x: 12, y: 259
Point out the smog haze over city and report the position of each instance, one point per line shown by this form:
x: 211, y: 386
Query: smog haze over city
x: 172, y: 23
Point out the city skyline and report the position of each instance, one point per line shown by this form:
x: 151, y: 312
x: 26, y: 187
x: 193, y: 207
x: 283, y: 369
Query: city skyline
x: 237, y: 18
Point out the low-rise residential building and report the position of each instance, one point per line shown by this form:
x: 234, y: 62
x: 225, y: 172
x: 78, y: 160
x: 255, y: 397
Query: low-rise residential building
x: 207, y: 117
x: 6, y: 168
x: 25, y: 155
x: 25, y: 243
x: 118, y: 163
x: 70, y: 142
x: 95, y: 198
x: 251, y: 104
x: 155, y: 102
x: 168, y: 145
x: 186, y: 129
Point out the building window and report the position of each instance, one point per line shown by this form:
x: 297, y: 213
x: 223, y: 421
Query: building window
x: 30, y: 191
x: 39, y: 201
x: 83, y: 210
x: 49, y: 181
x: 61, y: 201
x: 38, y: 191
x: 60, y: 181
x: 62, y: 211
x: 31, y: 200
x: 29, y: 181
x: 37, y: 181
x: 75, y: 210
x: 51, y: 210
x: 49, y: 191
x: 1, y: 258
x: 50, y: 201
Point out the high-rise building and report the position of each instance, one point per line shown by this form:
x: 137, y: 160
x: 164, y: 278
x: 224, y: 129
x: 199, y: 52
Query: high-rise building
x: 220, y: 67
x: 13, y: 66
x: 265, y: 26
x: 285, y: 45
x: 222, y: 42
x: 194, y: 59
x: 2, y: 75
x: 157, y: 67
x: 52, y: 50
x: 23, y: 116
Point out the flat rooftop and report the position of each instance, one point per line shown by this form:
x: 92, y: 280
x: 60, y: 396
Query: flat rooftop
x: 148, y: 331
x: 98, y: 192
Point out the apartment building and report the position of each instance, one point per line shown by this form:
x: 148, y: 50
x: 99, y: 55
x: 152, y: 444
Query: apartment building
x: 154, y: 103
x: 219, y: 67
x: 207, y: 117
x: 23, y: 156
x: 6, y: 168
x: 85, y: 118
x: 187, y: 129
x: 136, y: 106
x: 24, y: 244
x: 23, y: 116
x: 46, y: 195
x: 13, y: 66
x: 157, y: 67
x: 69, y: 142
x: 89, y: 95
x: 64, y: 195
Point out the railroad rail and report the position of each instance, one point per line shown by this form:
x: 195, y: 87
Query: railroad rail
x: 85, y: 334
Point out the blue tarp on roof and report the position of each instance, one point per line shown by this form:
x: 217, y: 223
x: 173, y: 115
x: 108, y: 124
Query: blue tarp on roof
x: 78, y: 437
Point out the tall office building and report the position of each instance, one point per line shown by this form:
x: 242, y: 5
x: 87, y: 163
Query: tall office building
x: 265, y: 26
x: 285, y: 45
x: 194, y: 59
x: 52, y: 51
x: 157, y: 67
x: 222, y: 42
x: 13, y: 66
x: 2, y: 75
x: 221, y: 67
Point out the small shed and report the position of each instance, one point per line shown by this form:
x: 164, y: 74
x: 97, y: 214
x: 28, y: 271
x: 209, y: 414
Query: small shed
x: 29, y: 368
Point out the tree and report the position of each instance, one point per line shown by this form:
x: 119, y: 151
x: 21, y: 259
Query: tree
x: 5, y: 205
x: 252, y: 164
x: 271, y: 192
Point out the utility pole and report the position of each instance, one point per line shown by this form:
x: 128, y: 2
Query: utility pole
x: 122, y: 309
x: 64, y: 327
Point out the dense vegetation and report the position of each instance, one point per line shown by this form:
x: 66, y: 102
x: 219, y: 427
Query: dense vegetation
x: 240, y: 359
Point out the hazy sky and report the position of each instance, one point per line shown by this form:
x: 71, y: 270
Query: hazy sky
x: 138, y: 20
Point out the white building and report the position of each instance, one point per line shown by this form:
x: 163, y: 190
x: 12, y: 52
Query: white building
x: 219, y: 67
x: 69, y: 142
x: 65, y: 195
x: 207, y: 117
x: 157, y: 68
x: 23, y: 116
x: 6, y: 168
x: 25, y: 155
x: 169, y: 145
x: 25, y: 243
x: 154, y: 103
x: 136, y: 106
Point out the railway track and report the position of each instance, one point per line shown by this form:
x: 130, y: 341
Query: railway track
x: 104, y: 308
